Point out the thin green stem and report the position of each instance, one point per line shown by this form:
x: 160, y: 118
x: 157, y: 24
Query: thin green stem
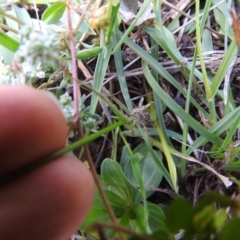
x: 115, y: 146
x: 126, y: 143
x: 22, y: 171
x: 210, y: 100
x: 187, y: 106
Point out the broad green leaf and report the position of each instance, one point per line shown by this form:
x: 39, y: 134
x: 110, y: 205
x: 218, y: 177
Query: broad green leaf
x: 220, y: 218
x: 53, y: 13
x: 115, y: 201
x: 113, y: 176
x: 137, y: 219
x: 179, y: 215
x: 203, y: 219
x: 8, y: 42
x: 160, y: 164
x: 157, y: 219
x: 23, y: 15
x: 125, y: 217
x: 230, y: 230
x: 98, y: 213
x: 150, y: 171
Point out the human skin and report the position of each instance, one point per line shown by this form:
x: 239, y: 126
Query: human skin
x: 52, y: 201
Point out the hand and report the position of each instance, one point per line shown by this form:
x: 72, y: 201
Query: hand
x: 52, y: 201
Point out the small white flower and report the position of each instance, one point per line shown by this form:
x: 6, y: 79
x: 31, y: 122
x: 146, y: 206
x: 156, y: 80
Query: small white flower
x: 27, y: 68
x: 40, y: 74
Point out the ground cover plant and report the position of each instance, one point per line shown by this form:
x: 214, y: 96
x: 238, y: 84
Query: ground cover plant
x: 150, y: 92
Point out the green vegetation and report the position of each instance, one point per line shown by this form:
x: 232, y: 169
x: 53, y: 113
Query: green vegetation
x: 176, y: 131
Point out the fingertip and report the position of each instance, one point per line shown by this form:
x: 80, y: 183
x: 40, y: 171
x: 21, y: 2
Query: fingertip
x: 32, y: 126
x: 55, y: 200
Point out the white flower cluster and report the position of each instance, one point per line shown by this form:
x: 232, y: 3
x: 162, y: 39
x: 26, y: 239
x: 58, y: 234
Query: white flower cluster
x: 33, y: 70
x: 88, y: 119
x: 37, y: 47
x: 67, y: 106
x: 7, y: 76
x: 36, y: 52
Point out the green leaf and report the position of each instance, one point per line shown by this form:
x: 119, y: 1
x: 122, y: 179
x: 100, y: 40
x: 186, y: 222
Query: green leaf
x: 224, y: 66
x: 221, y: 18
x: 85, y: 54
x: 218, y: 128
x: 120, y: 70
x: 156, y: 66
x: 8, y: 42
x: 53, y: 13
x: 178, y: 110
x: 179, y: 215
x: 114, y: 2
x: 207, y: 43
x: 22, y: 15
x: 157, y: 219
x: 115, y: 200
x: 137, y: 219
x: 99, y: 74
x: 150, y: 171
x: 113, y: 21
x: 219, y: 218
x: 6, y: 54
x: 97, y: 213
x: 203, y: 220
x: 230, y: 230
x: 113, y: 176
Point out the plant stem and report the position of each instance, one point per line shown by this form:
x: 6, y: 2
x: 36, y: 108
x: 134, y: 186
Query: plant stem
x: 210, y: 100
x: 29, y: 168
x: 76, y: 91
